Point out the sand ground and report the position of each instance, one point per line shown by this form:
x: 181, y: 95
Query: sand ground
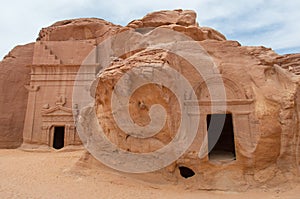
x: 56, y: 175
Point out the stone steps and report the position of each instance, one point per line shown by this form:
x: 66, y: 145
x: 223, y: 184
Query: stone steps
x: 44, y: 55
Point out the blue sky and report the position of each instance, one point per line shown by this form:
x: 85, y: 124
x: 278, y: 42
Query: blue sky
x: 271, y: 23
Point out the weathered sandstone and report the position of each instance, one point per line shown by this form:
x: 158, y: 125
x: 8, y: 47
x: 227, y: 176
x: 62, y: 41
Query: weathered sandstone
x: 261, y: 140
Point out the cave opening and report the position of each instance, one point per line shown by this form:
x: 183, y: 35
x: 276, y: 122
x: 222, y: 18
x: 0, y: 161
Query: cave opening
x: 221, y: 146
x: 59, y: 137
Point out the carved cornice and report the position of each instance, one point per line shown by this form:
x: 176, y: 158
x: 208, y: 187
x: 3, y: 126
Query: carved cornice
x: 57, y: 111
x: 218, y: 102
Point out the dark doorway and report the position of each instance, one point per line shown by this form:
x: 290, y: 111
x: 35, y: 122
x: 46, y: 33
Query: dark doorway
x: 59, y: 137
x: 186, y: 172
x: 221, y: 147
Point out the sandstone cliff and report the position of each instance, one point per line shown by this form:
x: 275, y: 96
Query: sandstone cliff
x: 13, y: 99
x: 15, y: 71
x: 262, y: 90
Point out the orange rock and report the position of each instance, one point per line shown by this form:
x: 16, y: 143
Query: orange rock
x: 14, y: 96
x: 155, y: 19
x: 77, y: 29
x: 259, y: 143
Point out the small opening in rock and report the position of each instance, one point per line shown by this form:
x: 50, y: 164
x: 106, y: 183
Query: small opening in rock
x: 66, y: 22
x: 186, y: 172
x: 58, y: 137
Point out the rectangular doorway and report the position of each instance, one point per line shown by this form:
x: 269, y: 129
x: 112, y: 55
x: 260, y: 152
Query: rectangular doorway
x: 59, y: 137
x: 220, y: 137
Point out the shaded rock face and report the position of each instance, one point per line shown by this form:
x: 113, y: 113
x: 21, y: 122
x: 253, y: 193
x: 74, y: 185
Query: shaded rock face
x: 261, y: 140
x: 13, y: 98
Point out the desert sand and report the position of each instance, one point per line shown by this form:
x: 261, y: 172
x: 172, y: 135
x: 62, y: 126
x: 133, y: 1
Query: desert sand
x: 57, y: 174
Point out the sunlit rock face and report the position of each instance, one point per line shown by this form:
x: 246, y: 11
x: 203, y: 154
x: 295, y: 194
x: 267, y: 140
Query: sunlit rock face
x: 252, y: 91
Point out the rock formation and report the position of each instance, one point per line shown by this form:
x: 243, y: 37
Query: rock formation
x: 13, y: 99
x: 78, y: 29
x: 260, y: 141
x: 15, y: 68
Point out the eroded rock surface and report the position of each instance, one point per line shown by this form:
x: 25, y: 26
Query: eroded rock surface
x: 77, y: 29
x: 179, y: 20
x: 264, y: 128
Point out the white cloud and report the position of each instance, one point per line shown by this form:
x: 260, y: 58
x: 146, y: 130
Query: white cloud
x: 272, y: 23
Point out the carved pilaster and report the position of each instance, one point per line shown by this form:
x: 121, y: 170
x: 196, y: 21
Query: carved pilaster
x: 67, y: 134
x: 30, y: 112
x: 46, y: 134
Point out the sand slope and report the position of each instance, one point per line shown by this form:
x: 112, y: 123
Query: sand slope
x: 55, y: 175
